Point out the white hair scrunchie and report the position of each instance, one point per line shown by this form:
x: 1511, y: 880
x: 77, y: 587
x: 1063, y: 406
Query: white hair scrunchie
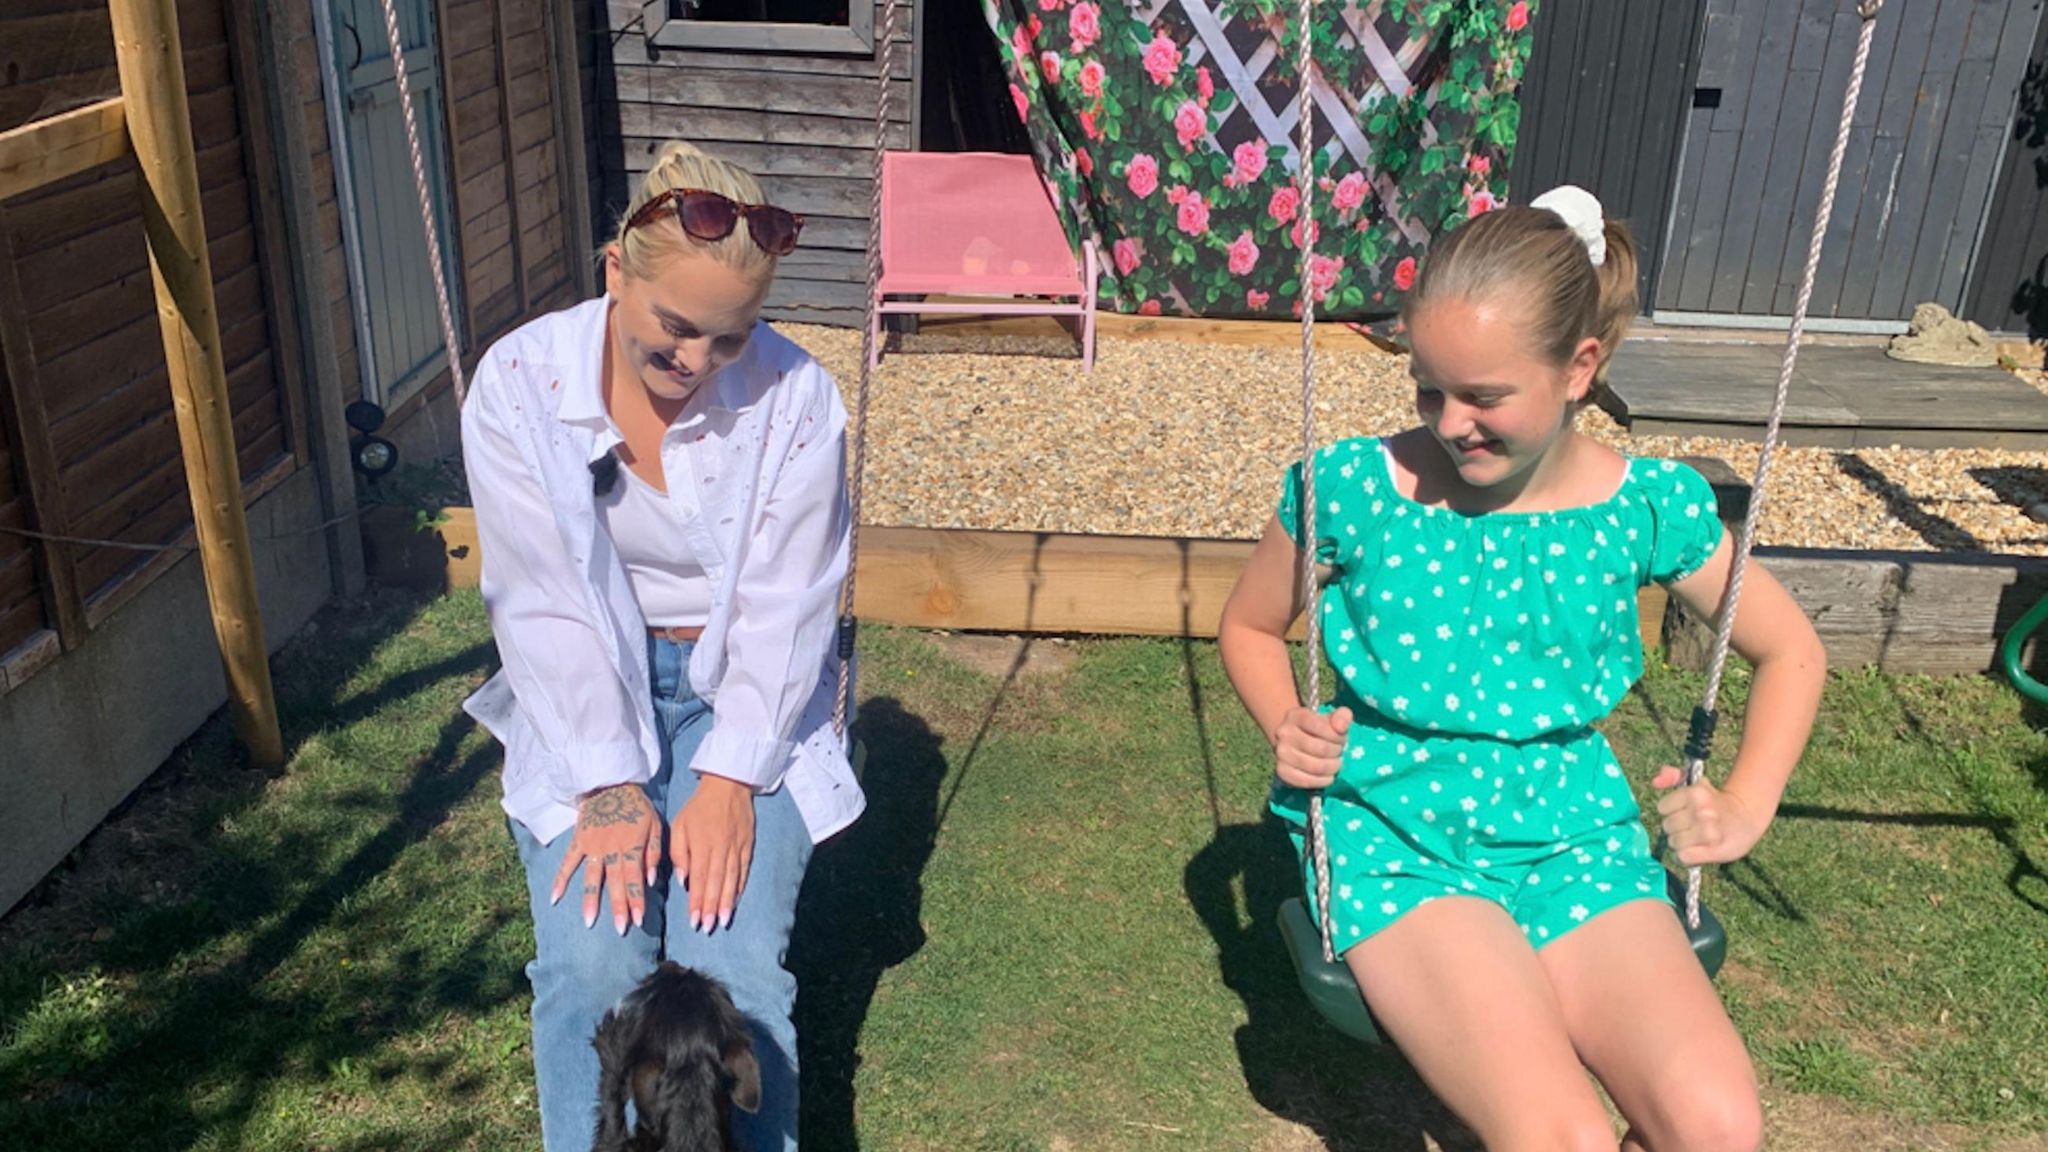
x: 1581, y: 212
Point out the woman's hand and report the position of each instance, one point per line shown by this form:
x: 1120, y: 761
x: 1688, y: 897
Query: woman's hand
x: 619, y: 835
x: 711, y: 846
x: 1308, y: 746
x: 1704, y: 824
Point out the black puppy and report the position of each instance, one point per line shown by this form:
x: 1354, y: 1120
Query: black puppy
x: 678, y: 1045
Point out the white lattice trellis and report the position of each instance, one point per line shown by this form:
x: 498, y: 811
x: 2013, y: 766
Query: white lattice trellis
x: 1344, y: 111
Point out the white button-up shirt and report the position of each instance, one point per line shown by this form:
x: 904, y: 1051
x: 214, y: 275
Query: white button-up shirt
x: 758, y: 478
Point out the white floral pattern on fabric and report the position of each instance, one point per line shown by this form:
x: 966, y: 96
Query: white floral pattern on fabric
x: 1582, y: 603
x: 1544, y: 603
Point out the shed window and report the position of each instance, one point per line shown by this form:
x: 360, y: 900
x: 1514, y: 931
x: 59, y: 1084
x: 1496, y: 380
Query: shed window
x: 834, y: 12
x: 822, y: 27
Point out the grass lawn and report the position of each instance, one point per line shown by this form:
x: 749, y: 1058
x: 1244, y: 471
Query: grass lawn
x: 1052, y: 931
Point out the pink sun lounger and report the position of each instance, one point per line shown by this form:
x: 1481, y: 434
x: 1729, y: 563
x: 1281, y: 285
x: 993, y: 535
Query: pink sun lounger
x: 978, y: 224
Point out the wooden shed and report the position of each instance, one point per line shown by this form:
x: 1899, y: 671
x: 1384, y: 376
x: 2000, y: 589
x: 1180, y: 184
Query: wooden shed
x: 91, y: 449
x: 107, y: 660
x: 786, y: 88
x: 1707, y: 123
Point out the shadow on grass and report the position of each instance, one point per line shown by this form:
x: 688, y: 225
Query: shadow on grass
x: 1749, y: 877
x: 988, y: 720
x: 209, y: 931
x: 2025, y: 880
x: 1033, y: 579
x: 1298, y: 1068
x: 861, y: 913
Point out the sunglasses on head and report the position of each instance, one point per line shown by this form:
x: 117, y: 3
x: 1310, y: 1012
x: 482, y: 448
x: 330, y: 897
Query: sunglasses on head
x: 710, y: 216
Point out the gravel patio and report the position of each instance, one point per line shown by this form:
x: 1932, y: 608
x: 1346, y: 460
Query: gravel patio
x: 1176, y: 437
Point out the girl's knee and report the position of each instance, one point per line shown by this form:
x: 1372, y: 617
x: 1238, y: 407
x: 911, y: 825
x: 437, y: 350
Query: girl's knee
x: 1587, y: 1131
x: 1729, y: 1124
x: 1706, y: 1116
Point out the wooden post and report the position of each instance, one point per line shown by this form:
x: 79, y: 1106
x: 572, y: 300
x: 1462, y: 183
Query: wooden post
x: 152, y: 69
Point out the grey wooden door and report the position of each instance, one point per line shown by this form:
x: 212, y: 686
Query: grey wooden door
x: 1604, y: 102
x: 1923, y: 152
x: 2009, y: 281
x: 397, y: 315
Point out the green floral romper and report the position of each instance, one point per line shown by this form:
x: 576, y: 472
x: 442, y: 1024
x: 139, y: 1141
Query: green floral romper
x: 1476, y: 653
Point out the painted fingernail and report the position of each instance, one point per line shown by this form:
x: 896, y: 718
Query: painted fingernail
x: 619, y: 922
x: 725, y: 918
x: 693, y: 920
x: 589, y: 917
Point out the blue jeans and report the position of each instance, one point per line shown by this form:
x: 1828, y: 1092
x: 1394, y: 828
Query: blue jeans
x: 580, y: 972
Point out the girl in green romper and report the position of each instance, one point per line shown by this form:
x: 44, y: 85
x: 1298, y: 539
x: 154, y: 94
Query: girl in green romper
x: 1492, y: 886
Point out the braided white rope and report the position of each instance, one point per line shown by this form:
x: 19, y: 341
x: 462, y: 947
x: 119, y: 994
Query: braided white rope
x: 886, y: 66
x: 1695, y: 760
x: 1305, y: 187
x: 419, y: 181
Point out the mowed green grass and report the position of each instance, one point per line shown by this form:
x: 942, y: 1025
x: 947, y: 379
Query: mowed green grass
x: 1053, y: 930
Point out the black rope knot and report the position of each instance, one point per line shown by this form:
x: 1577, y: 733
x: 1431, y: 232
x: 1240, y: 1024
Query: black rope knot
x: 1699, y: 740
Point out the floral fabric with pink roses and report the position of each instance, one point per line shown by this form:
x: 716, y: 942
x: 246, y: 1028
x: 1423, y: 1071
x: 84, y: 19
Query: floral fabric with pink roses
x: 1168, y: 129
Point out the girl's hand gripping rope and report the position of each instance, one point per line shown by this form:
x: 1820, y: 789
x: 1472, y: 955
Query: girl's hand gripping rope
x: 1308, y: 746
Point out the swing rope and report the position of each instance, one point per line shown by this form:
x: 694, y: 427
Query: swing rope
x: 419, y: 183
x: 1305, y: 187
x: 1699, y: 739
x: 885, y: 62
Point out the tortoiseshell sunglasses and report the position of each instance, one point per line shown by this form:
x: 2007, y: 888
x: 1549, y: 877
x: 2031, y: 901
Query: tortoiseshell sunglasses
x: 711, y: 216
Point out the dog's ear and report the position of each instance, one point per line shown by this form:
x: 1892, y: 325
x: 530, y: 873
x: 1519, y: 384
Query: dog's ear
x: 611, y: 1041
x: 745, y: 1071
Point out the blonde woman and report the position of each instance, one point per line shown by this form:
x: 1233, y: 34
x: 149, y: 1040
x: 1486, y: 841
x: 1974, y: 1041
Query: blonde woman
x: 659, y: 486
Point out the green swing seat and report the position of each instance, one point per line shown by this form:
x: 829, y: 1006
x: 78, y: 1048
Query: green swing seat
x: 1334, y: 994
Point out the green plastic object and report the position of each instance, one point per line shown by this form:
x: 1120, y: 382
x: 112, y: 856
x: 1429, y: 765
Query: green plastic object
x: 1709, y: 940
x: 1328, y: 985
x: 1334, y: 994
x: 2009, y: 653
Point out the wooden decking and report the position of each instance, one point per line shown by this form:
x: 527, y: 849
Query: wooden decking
x: 1842, y: 397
